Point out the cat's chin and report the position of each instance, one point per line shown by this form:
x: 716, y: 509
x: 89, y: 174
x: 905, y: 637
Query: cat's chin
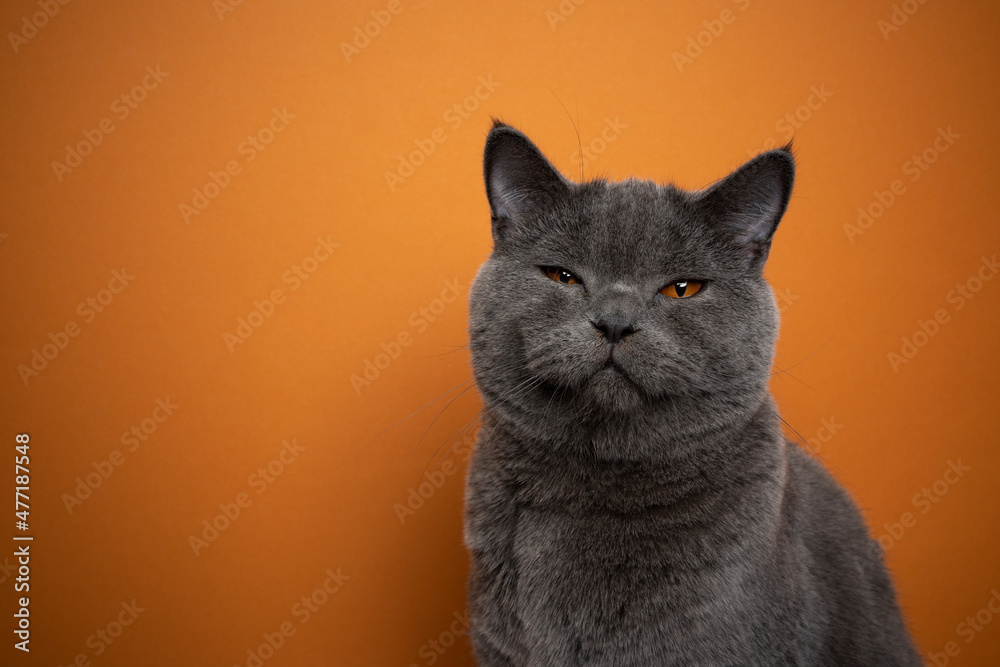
x: 610, y: 390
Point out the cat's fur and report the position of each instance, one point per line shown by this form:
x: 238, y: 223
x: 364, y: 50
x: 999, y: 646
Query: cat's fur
x: 644, y: 508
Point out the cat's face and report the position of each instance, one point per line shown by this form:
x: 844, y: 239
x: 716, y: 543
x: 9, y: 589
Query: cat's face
x: 610, y: 300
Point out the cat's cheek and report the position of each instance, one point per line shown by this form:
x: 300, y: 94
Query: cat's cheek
x: 564, y: 358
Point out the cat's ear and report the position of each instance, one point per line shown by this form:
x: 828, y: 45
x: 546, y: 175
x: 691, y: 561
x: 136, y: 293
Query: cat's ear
x: 748, y: 204
x: 520, y: 182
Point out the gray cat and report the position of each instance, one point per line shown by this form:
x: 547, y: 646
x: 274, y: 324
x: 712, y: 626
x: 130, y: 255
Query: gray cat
x: 632, y: 499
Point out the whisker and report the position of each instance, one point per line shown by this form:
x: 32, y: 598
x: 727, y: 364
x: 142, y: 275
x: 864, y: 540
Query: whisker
x: 803, y: 439
x: 807, y: 356
x: 576, y: 124
x: 519, y: 390
x: 417, y: 411
x: 451, y: 442
x: 433, y: 421
x: 458, y: 348
x: 785, y: 372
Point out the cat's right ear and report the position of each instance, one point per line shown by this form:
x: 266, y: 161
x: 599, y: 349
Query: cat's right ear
x: 748, y: 204
x: 520, y: 182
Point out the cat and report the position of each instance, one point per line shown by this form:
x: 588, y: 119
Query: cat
x: 632, y: 499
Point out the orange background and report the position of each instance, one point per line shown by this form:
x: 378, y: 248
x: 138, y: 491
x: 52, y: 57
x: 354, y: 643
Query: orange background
x: 848, y: 299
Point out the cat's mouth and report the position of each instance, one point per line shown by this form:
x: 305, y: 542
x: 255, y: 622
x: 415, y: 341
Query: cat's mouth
x: 611, y: 386
x: 612, y: 362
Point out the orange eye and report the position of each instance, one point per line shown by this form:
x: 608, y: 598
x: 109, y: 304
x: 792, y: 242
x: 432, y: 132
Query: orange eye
x: 682, y: 289
x: 560, y: 275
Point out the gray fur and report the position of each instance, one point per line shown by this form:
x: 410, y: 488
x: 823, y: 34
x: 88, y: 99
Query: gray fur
x: 644, y: 508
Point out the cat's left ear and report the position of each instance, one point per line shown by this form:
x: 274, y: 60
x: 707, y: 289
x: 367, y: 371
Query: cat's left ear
x: 748, y: 204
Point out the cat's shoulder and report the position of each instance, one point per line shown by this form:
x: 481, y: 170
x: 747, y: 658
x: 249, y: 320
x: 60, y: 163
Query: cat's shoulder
x: 817, y: 502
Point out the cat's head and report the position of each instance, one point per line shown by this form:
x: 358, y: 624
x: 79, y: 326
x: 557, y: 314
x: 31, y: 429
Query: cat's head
x: 626, y: 304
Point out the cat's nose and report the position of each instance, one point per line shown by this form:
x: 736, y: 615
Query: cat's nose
x: 614, y: 328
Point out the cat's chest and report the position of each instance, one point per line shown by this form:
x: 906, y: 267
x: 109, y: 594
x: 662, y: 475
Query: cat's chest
x: 594, y: 584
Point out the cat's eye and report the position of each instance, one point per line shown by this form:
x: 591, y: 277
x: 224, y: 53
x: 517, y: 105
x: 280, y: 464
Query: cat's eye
x: 682, y: 289
x: 561, y: 275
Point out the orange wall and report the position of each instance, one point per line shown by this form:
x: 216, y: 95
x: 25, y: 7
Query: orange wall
x: 330, y: 123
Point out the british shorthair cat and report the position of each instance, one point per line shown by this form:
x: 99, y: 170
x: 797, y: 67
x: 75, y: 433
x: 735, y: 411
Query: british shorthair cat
x: 632, y: 499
